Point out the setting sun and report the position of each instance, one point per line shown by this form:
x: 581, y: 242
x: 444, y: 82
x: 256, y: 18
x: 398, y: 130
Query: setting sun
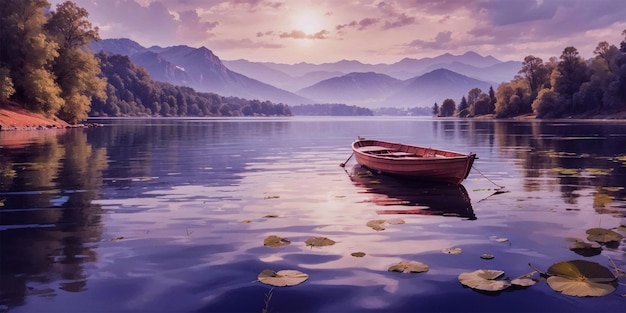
x: 307, y: 21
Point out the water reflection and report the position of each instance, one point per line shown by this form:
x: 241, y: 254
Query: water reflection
x: 418, y: 197
x: 569, y: 157
x: 47, y: 222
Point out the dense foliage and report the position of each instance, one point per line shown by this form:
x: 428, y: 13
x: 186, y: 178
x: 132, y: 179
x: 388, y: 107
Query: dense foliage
x: 330, y: 109
x: 131, y: 92
x: 43, y: 64
x: 567, y: 86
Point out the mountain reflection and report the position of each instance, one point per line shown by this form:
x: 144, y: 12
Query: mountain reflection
x: 418, y: 197
x: 48, y: 223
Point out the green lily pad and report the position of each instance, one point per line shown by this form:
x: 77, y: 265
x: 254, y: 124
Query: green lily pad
x: 484, y: 280
x: 603, y: 235
x: 275, y: 241
x: 358, y: 254
x: 282, y: 278
x: 409, y: 267
x: 319, y: 242
x: 581, y: 278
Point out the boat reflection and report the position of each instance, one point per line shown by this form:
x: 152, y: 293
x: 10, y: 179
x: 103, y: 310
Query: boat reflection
x: 418, y: 197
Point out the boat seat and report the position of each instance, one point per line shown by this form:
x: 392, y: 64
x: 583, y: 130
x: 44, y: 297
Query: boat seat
x: 374, y: 149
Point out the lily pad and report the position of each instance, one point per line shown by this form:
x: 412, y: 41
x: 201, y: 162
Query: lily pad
x: 395, y: 221
x: 275, y: 241
x: 453, y: 250
x: 319, y: 242
x: 603, y: 235
x: 581, y: 278
x: 358, y: 254
x: 409, y: 267
x: 523, y: 282
x: 376, y: 225
x: 487, y: 256
x: 484, y: 280
x: 271, y: 216
x: 282, y: 278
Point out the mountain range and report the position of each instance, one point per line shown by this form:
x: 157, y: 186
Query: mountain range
x: 407, y: 83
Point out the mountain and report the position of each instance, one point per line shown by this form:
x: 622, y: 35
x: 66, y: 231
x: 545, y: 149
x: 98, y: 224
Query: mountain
x: 433, y: 87
x: 198, y: 68
x: 353, y: 88
x: 374, y: 90
x: 275, y: 77
x: 471, y: 64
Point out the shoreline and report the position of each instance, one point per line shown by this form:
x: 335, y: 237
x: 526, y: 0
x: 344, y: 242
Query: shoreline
x: 15, y: 118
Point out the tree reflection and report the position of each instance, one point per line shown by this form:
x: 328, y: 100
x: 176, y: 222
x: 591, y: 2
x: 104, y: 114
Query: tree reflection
x: 568, y: 156
x: 48, y: 221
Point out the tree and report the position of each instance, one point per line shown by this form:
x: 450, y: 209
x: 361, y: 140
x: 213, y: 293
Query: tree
x: 473, y: 95
x: 435, y: 109
x: 463, y: 108
x: 447, y: 107
x: 547, y: 104
x: 76, y: 68
x: 482, y: 106
x: 6, y: 84
x: 570, y: 74
x: 27, y: 54
x: 536, y: 74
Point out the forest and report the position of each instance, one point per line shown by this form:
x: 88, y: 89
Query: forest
x: 565, y: 87
x: 46, y: 67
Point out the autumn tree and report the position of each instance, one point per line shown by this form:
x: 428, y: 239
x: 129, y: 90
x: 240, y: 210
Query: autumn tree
x: 26, y: 56
x: 76, y: 68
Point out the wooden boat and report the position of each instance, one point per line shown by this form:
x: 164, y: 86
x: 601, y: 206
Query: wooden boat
x: 426, y: 164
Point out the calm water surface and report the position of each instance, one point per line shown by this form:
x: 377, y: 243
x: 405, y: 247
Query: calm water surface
x: 169, y: 215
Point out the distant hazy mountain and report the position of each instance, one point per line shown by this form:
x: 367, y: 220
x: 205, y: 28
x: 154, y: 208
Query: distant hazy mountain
x: 354, y: 88
x: 374, y: 90
x: 198, y: 68
x: 275, y: 77
x: 434, y: 87
x: 469, y: 64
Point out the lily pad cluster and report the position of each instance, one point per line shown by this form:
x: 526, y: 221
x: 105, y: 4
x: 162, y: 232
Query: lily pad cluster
x: 574, y: 278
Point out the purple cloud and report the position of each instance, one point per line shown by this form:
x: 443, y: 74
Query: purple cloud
x: 298, y: 34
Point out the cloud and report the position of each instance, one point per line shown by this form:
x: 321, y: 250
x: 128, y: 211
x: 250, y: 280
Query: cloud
x: 362, y: 24
x: 443, y: 40
x: 395, y: 15
x: 399, y: 21
x: 298, y: 34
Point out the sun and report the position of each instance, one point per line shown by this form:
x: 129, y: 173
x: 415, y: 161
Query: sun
x: 308, y: 22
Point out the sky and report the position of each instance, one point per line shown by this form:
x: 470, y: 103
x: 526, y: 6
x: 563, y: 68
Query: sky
x: 369, y: 31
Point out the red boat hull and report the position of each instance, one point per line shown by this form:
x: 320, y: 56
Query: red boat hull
x: 414, y: 162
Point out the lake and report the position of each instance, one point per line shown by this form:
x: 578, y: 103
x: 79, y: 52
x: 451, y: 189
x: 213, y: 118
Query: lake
x: 170, y: 215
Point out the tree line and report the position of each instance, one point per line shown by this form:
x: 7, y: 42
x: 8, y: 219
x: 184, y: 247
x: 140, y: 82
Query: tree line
x: 567, y: 86
x: 47, y: 67
x: 330, y: 109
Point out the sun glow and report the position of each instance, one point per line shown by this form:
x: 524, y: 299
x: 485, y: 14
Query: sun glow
x: 307, y: 22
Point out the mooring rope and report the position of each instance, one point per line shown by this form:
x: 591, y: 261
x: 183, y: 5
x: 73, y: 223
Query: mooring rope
x: 483, y: 175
